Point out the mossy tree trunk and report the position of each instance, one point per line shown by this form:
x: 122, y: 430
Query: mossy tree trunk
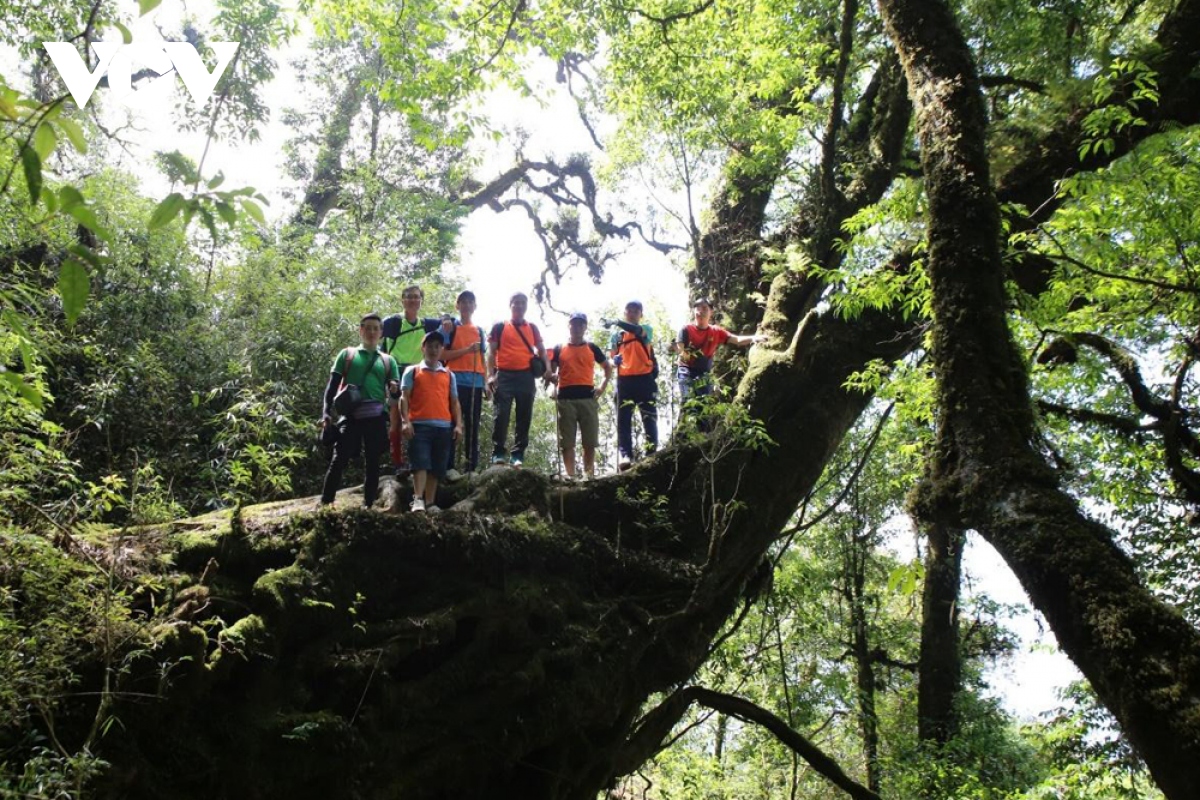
x: 939, y: 668
x: 1140, y: 655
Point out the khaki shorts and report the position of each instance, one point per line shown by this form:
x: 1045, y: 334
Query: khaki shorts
x: 583, y: 414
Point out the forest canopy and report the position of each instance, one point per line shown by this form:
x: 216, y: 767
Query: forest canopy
x: 964, y: 235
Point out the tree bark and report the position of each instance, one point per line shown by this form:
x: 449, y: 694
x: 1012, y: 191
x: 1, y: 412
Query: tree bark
x: 939, y: 668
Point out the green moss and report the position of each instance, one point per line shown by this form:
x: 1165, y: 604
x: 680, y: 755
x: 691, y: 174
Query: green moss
x: 246, y: 638
x: 278, y: 590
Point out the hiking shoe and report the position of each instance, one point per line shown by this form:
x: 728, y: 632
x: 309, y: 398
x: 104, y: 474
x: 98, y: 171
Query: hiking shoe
x: 451, y: 475
x: 499, y: 460
x: 418, y: 504
x: 516, y: 462
x: 624, y: 464
x: 403, y: 472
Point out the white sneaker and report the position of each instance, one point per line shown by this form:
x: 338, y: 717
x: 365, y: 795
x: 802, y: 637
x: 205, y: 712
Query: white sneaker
x: 516, y: 462
x: 452, y: 475
x: 418, y: 504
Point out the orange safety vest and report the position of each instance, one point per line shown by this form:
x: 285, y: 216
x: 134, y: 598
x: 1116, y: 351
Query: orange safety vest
x: 576, y: 365
x: 430, y: 395
x: 513, y: 353
x: 635, y: 356
x: 468, y: 362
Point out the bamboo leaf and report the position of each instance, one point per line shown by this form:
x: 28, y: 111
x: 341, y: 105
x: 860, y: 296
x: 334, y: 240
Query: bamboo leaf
x: 33, y: 173
x: 74, y: 287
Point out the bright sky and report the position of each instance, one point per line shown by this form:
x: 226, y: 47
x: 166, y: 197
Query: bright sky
x: 499, y: 254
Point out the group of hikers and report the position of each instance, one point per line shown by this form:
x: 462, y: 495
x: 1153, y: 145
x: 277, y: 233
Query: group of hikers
x: 417, y: 386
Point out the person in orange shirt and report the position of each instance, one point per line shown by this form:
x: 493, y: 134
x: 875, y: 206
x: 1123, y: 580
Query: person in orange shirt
x: 696, y: 345
x: 431, y: 418
x: 572, y: 368
x: 516, y: 359
x: 465, y: 356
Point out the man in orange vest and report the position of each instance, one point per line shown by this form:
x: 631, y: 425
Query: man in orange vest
x: 637, y: 381
x: 516, y: 359
x: 572, y: 368
x: 432, y: 420
x: 465, y: 356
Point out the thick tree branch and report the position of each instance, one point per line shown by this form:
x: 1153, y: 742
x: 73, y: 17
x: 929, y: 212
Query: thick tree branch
x: 813, y: 755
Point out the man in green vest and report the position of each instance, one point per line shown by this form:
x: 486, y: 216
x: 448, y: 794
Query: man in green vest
x: 362, y: 426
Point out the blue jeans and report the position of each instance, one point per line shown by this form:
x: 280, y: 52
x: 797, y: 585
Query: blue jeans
x: 694, y: 382
x: 430, y: 448
x: 640, y: 392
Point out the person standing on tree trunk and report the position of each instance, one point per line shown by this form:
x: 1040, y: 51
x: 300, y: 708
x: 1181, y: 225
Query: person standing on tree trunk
x: 431, y: 418
x: 402, y: 334
x: 516, y: 359
x: 465, y: 355
x: 637, y: 381
x: 696, y: 345
x: 573, y: 371
x: 363, y: 424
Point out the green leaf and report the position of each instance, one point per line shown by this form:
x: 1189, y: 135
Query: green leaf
x: 49, y: 200
x: 167, y: 210
x: 23, y: 388
x: 87, y: 218
x: 217, y: 181
x: 44, y: 141
x: 87, y: 254
x: 227, y: 212
x: 74, y: 287
x: 146, y: 6
x: 74, y: 134
x: 33, y: 173
x: 207, y: 218
x: 126, y: 34
x: 69, y: 197
x: 14, y: 323
x: 254, y: 210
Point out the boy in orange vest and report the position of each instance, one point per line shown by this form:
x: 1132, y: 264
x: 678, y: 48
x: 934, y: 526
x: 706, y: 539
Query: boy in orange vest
x: 431, y: 419
x: 573, y: 370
